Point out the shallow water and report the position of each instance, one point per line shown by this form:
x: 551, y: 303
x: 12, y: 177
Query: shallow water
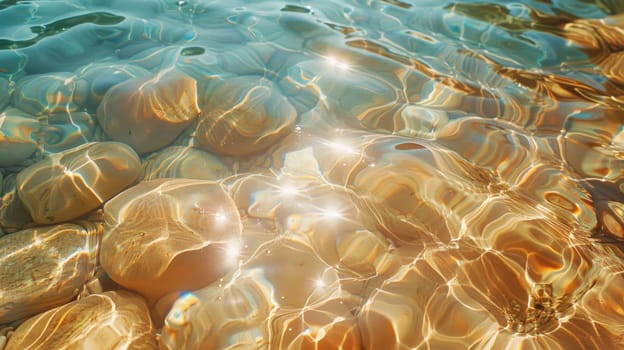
x: 311, y: 174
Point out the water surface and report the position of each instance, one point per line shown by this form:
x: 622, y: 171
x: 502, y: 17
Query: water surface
x: 312, y: 174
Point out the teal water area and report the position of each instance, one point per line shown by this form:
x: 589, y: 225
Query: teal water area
x: 348, y: 174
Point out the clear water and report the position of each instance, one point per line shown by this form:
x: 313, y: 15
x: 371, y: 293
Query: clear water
x: 312, y: 174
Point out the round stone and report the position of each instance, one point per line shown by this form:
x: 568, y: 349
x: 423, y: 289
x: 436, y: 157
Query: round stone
x: 111, y: 320
x: 325, y: 215
x: 70, y: 184
x: 183, y: 162
x: 244, y: 116
x: 400, y: 185
x: 13, y: 215
x: 169, y: 235
x: 148, y: 113
x: 41, y: 268
x: 281, y: 291
x: 18, y: 137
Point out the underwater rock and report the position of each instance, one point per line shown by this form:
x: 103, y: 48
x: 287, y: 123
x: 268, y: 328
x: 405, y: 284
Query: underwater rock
x: 110, y: 320
x: 183, y: 162
x: 169, y: 235
x: 244, y: 116
x: 284, y: 289
x: 327, y: 325
x: 50, y: 93
x: 416, y: 192
x: 505, y: 308
x: 500, y: 149
x: 67, y: 130
x: 269, y: 60
x: 515, y: 232
x: 13, y: 215
x: 44, y: 267
x: 324, y: 215
x: 18, y: 136
x: 69, y: 184
x: 148, y: 113
x: 586, y: 158
x: 421, y: 122
x: 101, y: 77
x: 609, y: 286
x: 396, y: 315
x: 353, y: 95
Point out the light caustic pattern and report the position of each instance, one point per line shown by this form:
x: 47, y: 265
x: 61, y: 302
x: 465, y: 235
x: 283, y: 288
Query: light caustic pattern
x: 312, y: 175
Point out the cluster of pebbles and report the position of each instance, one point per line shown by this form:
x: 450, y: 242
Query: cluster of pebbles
x: 306, y: 208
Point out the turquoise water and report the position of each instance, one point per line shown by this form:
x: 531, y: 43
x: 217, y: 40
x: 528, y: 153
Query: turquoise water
x: 312, y: 174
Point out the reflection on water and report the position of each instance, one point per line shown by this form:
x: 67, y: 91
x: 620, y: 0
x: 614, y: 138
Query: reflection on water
x: 347, y: 174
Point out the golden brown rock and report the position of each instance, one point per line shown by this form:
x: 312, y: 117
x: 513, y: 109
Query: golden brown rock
x: 18, y: 138
x: 605, y: 302
x: 148, y: 113
x: 329, y: 325
x: 566, y: 270
x: 471, y: 298
x: 111, y: 320
x: 394, y: 315
x: 284, y: 297
x: 163, y: 236
x: 506, y: 153
x: 13, y: 215
x: 416, y: 192
x: 322, y: 214
x: 244, y: 116
x: 212, y: 318
x: 183, y: 162
x: 602, y: 41
x: 44, y: 267
x: 69, y: 184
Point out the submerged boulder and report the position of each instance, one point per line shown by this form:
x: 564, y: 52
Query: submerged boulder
x: 148, y: 113
x: 70, y: 184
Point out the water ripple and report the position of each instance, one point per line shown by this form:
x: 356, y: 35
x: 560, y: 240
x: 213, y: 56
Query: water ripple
x: 348, y: 174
